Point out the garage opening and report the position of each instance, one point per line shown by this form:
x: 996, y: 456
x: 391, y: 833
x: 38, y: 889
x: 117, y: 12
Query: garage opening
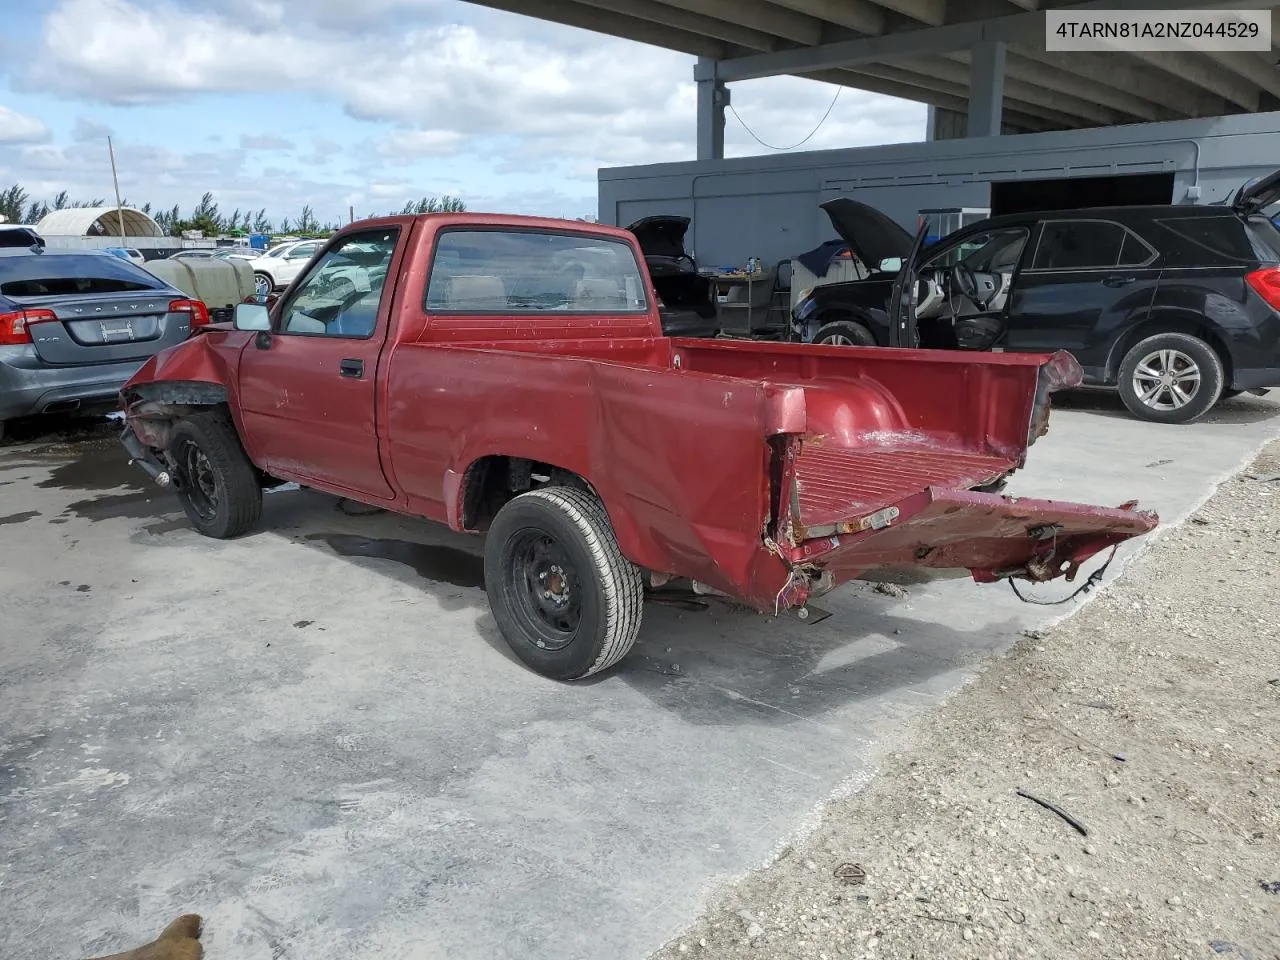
x: 1067, y: 193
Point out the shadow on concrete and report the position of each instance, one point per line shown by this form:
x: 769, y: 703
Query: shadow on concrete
x: 712, y: 663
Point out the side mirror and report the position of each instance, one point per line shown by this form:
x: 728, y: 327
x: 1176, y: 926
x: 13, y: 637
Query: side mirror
x: 252, y: 316
x: 890, y: 265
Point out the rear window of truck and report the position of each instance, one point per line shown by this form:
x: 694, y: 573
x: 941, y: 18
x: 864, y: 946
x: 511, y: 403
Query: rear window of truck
x: 527, y: 271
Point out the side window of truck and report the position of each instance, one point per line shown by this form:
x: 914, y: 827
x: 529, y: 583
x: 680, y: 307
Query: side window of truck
x: 533, y: 271
x: 341, y: 293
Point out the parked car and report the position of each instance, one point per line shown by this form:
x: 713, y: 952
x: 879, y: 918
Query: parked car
x: 237, y: 253
x: 75, y: 325
x: 132, y: 254
x: 463, y: 377
x: 1173, y: 306
x: 195, y: 253
x: 19, y: 235
x: 688, y: 299
x: 278, y: 266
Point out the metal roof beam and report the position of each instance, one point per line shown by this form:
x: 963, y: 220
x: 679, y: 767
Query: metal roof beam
x: 913, y: 76
x: 958, y: 74
x: 861, y: 15
x: 1252, y: 67
x: 695, y: 23
x: 1122, y: 73
x: 757, y: 15
x: 1088, y: 89
x: 927, y: 41
x: 1204, y: 74
x: 588, y: 17
x: 932, y: 12
x: 906, y: 89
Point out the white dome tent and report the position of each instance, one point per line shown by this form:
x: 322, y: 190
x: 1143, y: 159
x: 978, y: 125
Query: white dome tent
x: 96, y: 228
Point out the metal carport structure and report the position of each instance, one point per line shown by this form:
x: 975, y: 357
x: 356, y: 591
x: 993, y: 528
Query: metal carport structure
x: 984, y: 60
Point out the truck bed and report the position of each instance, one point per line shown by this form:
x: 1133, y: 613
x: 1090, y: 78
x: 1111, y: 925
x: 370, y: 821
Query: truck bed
x: 705, y: 451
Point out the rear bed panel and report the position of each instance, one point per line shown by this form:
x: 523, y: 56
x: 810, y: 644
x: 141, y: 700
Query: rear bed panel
x: 833, y: 485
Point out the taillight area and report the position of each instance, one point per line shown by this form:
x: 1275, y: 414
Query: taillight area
x: 1266, y: 284
x: 195, y: 309
x: 15, y: 326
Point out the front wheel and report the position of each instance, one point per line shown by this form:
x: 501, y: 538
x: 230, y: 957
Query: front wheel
x: 263, y: 285
x: 215, y: 482
x: 844, y: 333
x: 1171, y: 378
x: 564, y: 597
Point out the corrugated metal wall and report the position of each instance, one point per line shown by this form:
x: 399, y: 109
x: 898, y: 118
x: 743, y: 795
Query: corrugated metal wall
x: 768, y: 206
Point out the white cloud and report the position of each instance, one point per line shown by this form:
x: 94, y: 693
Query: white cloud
x: 17, y: 127
x: 453, y: 87
x: 86, y: 129
x: 554, y: 95
x: 265, y: 141
x: 415, y: 144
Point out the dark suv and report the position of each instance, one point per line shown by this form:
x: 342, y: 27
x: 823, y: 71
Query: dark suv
x: 1175, y: 306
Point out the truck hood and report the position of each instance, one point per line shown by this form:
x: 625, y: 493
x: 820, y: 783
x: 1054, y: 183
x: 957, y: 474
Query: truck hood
x: 661, y: 236
x: 1254, y: 197
x: 870, y: 234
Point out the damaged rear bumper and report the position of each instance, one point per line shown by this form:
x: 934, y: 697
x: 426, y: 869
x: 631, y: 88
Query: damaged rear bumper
x: 941, y: 532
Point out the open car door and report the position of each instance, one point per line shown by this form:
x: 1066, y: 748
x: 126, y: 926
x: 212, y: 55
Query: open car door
x: 902, y: 306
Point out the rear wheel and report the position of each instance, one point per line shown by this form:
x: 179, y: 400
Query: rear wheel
x: 844, y: 333
x: 215, y: 482
x: 567, y: 601
x: 263, y: 285
x: 1170, y: 378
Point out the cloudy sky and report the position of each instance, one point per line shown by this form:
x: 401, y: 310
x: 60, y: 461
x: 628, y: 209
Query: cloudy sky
x: 280, y: 103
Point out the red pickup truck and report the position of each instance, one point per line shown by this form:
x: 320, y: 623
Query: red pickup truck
x: 508, y: 375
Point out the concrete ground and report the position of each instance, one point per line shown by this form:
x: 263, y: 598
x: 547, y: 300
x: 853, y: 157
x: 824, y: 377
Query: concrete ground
x: 315, y: 737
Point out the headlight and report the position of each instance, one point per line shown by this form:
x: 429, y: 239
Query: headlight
x: 804, y: 294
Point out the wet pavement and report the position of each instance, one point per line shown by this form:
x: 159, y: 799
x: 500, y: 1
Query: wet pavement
x: 315, y: 737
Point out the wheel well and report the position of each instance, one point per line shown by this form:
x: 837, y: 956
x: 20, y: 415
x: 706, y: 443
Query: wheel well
x: 842, y: 316
x: 152, y: 409
x: 1155, y: 326
x: 490, y: 482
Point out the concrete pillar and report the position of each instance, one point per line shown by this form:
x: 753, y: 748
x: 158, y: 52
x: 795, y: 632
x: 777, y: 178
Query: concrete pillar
x: 986, y: 88
x: 713, y: 97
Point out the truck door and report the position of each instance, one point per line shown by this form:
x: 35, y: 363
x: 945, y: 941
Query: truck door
x: 307, y: 387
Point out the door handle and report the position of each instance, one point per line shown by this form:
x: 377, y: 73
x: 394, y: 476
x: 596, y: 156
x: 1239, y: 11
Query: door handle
x: 1118, y: 281
x: 351, y: 368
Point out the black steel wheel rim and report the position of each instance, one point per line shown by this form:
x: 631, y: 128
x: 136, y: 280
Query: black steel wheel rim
x: 198, y: 481
x: 544, y: 589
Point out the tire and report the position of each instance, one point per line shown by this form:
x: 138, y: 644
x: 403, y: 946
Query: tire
x: 215, y: 482
x: 1170, y: 378
x: 561, y: 537
x: 263, y: 285
x: 844, y: 333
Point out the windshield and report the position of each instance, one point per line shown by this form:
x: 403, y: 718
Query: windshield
x: 994, y: 252
x: 42, y: 275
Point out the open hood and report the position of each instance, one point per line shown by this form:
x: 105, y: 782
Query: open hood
x: 1254, y: 197
x: 870, y: 234
x: 661, y: 236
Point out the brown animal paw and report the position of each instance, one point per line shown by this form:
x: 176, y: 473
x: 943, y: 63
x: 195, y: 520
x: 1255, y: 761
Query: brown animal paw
x: 179, y: 941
